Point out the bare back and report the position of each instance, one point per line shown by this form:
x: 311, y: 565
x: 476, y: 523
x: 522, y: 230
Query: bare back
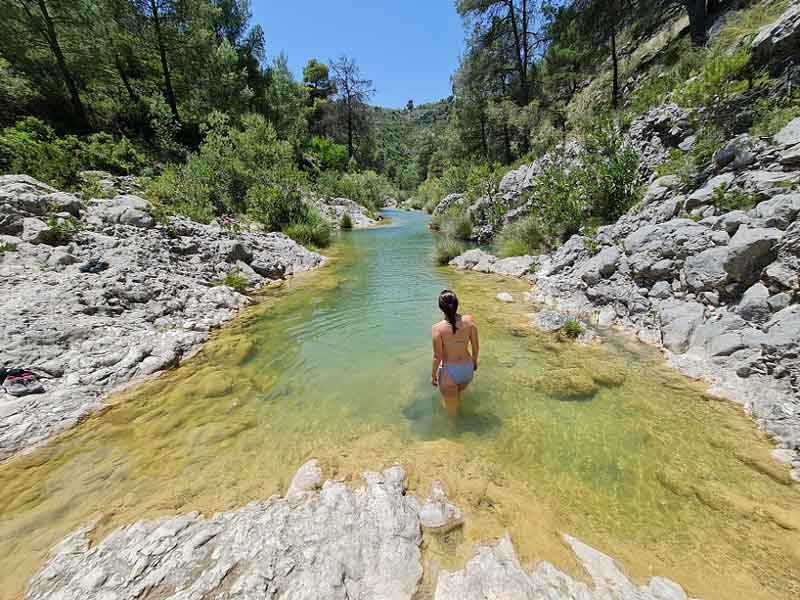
x: 454, y: 346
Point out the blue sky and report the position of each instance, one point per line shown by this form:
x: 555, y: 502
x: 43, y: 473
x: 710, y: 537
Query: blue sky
x: 409, y: 48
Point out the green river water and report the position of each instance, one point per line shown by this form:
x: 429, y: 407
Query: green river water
x: 605, y: 443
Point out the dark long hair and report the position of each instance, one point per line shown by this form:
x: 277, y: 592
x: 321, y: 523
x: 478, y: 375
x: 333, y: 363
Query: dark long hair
x: 448, y: 303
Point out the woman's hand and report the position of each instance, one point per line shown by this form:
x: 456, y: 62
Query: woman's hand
x: 474, y: 364
x: 434, y: 381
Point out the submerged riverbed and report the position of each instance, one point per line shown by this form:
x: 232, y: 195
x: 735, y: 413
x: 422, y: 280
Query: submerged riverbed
x: 604, y: 443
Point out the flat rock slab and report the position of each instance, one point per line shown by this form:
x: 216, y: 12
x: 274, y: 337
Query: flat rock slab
x: 330, y: 543
x: 336, y: 543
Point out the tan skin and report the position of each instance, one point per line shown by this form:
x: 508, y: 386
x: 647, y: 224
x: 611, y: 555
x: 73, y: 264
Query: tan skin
x: 445, y: 349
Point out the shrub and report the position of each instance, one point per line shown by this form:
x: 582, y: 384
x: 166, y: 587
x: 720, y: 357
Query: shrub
x: 31, y: 146
x: 333, y: 156
x: 278, y: 202
x: 92, y: 188
x: 447, y: 249
x: 61, y: 231
x: 429, y: 193
x: 559, y: 199
x: 572, y: 328
x: 733, y: 199
x: 688, y: 165
x: 234, y: 280
x: 773, y: 114
x: 459, y: 226
x: 102, y: 151
x: 718, y: 77
x: 310, y: 229
x: 610, y: 172
x: 346, y: 222
x: 217, y: 179
x: 367, y: 188
x: 521, y: 237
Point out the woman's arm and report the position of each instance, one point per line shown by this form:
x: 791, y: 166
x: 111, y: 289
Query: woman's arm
x: 473, y: 340
x: 438, y: 355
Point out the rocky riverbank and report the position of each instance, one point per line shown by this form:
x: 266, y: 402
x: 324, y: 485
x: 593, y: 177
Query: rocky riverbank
x: 369, y: 547
x: 717, y: 289
x: 96, y: 294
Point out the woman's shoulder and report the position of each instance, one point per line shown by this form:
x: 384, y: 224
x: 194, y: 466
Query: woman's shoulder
x: 468, y: 319
x: 438, y: 326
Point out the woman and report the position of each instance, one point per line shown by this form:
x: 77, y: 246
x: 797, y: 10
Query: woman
x: 453, y: 365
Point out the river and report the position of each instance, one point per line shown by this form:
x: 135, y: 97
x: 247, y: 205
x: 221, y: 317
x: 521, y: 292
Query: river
x: 605, y: 443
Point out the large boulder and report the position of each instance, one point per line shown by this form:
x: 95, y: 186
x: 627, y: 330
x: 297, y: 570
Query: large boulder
x: 123, y: 210
x: 754, y: 306
x: 601, y: 266
x: 779, y: 39
x: 750, y: 250
x: 679, y: 320
x: 778, y: 211
x: 706, y: 271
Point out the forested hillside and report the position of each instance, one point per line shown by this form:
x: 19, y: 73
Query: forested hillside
x: 539, y: 77
x: 183, y: 93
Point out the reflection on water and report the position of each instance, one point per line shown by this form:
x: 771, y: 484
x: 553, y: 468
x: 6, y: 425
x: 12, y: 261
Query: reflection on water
x: 604, y: 443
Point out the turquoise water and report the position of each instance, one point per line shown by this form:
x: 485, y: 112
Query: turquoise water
x: 604, y: 443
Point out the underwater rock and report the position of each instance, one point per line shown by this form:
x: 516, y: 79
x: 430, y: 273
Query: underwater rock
x: 438, y: 514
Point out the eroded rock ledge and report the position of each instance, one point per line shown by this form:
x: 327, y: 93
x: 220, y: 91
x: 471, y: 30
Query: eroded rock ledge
x: 86, y: 334
x: 318, y: 542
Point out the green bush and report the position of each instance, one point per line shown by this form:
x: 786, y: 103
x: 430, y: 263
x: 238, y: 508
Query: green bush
x: 61, y: 231
x: 572, y: 328
x: 234, y: 280
x: 331, y: 155
x: 92, y: 188
x: 610, y: 173
x: 31, y: 146
x: 346, y: 222
x: 733, y: 199
x: 279, y: 201
x: 310, y: 229
x: 521, y: 237
x: 459, y: 226
x: 447, y: 249
x: 367, y: 188
x: 719, y: 77
x: 773, y: 114
x: 237, y: 169
x: 101, y: 151
x: 559, y: 199
x: 688, y: 165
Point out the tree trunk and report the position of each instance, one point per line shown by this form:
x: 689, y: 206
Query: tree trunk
x: 124, y: 77
x: 507, y: 144
x: 518, y: 56
x: 615, y: 66
x: 697, y: 20
x: 350, y: 132
x: 55, y: 48
x: 484, y: 143
x: 169, y: 93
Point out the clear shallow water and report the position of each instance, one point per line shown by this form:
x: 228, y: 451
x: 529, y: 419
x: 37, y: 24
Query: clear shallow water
x: 604, y: 443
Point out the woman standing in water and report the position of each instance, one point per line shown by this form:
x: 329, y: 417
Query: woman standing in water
x: 453, y: 365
